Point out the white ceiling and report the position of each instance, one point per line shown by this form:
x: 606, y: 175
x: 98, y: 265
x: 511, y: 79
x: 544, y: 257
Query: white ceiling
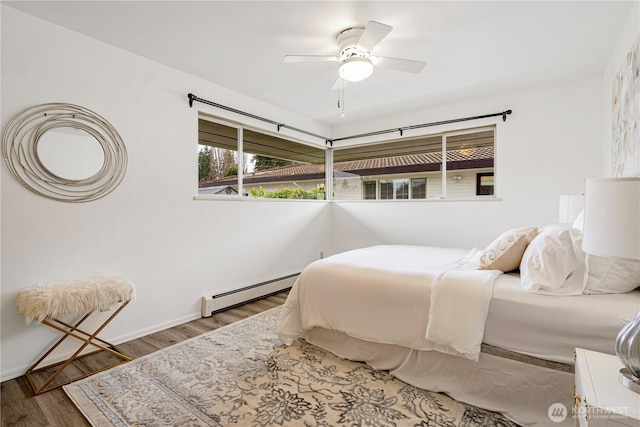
x: 472, y: 48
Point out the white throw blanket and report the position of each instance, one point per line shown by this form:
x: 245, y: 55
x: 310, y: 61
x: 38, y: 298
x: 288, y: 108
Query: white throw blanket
x: 460, y: 300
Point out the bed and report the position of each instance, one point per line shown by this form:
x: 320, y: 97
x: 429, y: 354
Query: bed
x: 434, y: 318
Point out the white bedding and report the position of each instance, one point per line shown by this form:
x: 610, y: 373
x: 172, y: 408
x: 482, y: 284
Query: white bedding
x: 460, y: 299
x: 383, y: 294
x: 380, y: 294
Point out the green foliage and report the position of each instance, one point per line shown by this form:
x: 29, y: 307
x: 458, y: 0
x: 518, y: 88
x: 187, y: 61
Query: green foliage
x: 204, y: 163
x: 216, y: 163
x: 286, y: 193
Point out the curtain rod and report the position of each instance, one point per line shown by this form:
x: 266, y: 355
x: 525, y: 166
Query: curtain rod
x: 402, y: 129
x: 329, y: 141
x: 279, y: 125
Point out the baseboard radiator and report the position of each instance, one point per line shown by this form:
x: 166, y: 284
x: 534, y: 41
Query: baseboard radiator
x: 214, y: 303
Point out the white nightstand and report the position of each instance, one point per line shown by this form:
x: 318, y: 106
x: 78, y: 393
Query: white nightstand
x: 600, y: 399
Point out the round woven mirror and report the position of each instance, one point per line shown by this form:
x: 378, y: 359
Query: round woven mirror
x: 64, y: 152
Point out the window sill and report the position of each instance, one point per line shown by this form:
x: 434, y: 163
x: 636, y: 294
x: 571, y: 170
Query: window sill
x: 251, y: 199
x: 472, y: 199
x: 259, y: 199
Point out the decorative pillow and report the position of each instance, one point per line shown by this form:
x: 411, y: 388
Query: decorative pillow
x: 506, y: 251
x: 554, y: 263
x: 611, y: 276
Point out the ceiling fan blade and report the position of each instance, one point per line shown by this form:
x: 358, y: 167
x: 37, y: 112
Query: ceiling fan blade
x: 336, y: 84
x: 407, y: 65
x: 310, y: 58
x: 373, y: 34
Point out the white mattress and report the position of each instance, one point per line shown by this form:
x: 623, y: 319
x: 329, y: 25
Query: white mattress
x: 381, y: 294
x: 551, y: 327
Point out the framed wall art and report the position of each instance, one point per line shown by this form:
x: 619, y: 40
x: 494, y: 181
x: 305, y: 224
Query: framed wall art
x: 626, y: 115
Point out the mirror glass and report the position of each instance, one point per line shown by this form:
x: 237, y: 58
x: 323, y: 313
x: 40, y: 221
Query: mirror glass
x: 70, y: 153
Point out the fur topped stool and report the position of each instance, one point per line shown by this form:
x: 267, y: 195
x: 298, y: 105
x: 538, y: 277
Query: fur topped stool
x: 47, y: 304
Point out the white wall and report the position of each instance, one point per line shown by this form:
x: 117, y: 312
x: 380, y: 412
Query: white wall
x: 547, y: 147
x: 150, y: 229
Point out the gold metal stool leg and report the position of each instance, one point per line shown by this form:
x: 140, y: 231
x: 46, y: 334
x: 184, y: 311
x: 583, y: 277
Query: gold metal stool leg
x: 87, y: 338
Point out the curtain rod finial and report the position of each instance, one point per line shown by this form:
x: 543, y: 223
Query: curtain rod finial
x: 191, y: 99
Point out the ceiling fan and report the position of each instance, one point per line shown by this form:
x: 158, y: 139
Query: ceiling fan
x: 356, y: 56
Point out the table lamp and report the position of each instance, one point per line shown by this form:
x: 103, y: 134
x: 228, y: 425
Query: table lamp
x: 612, y: 230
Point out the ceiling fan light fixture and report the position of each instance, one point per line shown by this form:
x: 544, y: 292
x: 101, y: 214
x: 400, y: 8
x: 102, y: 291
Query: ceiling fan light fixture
x: 356, y: 68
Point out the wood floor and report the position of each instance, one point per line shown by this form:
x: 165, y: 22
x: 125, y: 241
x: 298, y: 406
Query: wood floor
x: 19, y: 406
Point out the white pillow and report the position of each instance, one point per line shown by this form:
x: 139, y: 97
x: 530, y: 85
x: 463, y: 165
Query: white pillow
x: 611, y: 276
x: 579, y: 221
x: 506, y: 251
x: 553, y: 263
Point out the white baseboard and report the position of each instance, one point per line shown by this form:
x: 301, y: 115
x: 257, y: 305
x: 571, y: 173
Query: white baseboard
x: 20, y: 371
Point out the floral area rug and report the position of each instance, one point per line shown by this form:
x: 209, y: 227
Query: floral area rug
x: 241, y: 375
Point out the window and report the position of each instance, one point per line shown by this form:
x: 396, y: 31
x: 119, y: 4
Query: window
x: 256, y: 165
x: 401, y: 189
x: 370, y: 190
x: 484, y: 184
x: 418, y: 188
x: 237, y: 161
x: 386, y: 190
x: 391, y: 189
x: 402, y: 168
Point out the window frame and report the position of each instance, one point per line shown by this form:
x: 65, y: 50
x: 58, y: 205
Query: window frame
x: 330, y: 152
x: 479, y: 185
x: 443, y: 135
x: 240, y: 128
x: 411, y: 195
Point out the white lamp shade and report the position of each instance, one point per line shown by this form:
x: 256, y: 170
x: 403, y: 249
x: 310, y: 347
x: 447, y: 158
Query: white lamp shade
x: 570, y: 207
x: 612, y: 218
x: 355, y: 69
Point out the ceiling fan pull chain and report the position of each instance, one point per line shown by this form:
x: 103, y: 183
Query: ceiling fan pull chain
x: 341, y: 98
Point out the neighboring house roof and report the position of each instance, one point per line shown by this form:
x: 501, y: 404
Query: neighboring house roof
x: 456, y: 160
x: 218, y: 189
